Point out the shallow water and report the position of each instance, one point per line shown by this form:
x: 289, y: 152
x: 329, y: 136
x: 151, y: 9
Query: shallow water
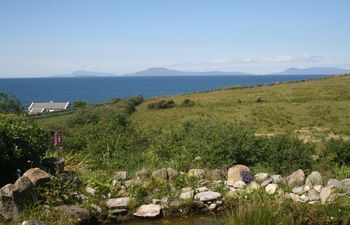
x: 178, y: 220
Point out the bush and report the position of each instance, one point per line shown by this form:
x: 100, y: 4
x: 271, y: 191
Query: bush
x: 338, y: 152
x: 21, y: 145
x: 136, y: 100
x: 188, y: 103
x: 79, y: 104
x: 162, y: 104
x: 9, y: 104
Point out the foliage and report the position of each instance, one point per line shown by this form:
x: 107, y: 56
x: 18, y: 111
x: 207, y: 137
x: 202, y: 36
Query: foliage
x: 338, y: 152
x: 162, y: 104
x: 9, y: 104
x: 21, y: 145
x: 79, y: 104
x: 188, y: 103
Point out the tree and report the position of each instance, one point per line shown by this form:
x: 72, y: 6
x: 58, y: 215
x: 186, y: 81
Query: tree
x: 9, y: 104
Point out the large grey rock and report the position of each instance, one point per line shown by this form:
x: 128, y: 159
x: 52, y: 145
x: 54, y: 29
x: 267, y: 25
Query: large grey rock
x: 325, y: 193
x: 234, y: 173
x: 261, y: 177
x: 37, y: 176
x: 199, y: 173
x: 118, y: 203
x: 14, y: 197
x: 148, y: 211
x: 277, y: 179
x: 296, y: 178
x: 160, y: 174
x: 314, y: 179
x: 207, y: 196
x: 142, y: 174
x: 80, y: 215
x: 334, y: 183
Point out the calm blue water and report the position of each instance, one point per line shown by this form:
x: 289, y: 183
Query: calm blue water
x: 99, y: 89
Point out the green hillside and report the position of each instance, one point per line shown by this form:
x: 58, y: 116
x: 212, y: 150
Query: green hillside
x: 315, y: 108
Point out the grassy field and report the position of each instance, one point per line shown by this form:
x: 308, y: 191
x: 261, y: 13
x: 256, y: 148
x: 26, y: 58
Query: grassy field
x: 315, y: 109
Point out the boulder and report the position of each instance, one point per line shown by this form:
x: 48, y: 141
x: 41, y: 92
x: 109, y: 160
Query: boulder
x: 207, y: 196
x: 199, y: 173
x: 325, y: 193
x: 142, y: 174
x: 120, y: 176
x: 37, y: 176
x: 234, y: 173
x: 75, y: 212
x: 54, y: 164
x: 314, y: 179
x: 148, y: 211
x: 271, y: 188
x: 261, y: 177
x: 172, y: 173
x: 296, y: 178
x: 334, y: 183
x: 216, y: 174
x: 118, y: 203
x: 277, y: 179
x: 14, y: 197
x: 160, y: 174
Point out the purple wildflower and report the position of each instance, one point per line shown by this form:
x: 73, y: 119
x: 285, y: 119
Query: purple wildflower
x: 246, y: 176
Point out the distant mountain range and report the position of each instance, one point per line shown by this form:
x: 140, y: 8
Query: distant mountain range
x: 160, y: 71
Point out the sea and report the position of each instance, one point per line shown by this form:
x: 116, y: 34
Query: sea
x: 100, y: 89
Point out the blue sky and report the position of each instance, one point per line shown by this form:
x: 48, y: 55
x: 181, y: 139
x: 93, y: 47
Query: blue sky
x: 47, y: 37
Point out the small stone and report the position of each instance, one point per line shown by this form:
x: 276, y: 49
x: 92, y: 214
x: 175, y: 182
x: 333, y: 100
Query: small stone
x: 160, y: 174
x: 239, y: 184
x: 303, y: 198
x: 142, y: 174
x: 298, y: 190
x: 199, y: 173
x: 271, y: 188
x: 294, y: 197
x: 277, y: 179
x: 118, y: 203
x: 187, y: 196
x: 207, y: 196
x: 314, y: 179
x: 33, y: 222
x: 261, y: 177
x: 148, y: 211
x: 334, y: 183
x: 90, y: 190
x: 212, y: 206
x: 325, y: 193
x: 266, y: 182
x: 253, y: 186
x: 313, y: 195
x: 318, y: 188
x: 202, y: 189
x: 306, y: 188
x: 296, y: 178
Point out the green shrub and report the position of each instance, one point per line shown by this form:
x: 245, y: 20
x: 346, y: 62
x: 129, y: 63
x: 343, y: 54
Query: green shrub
x: 338, y: 152
x: 79, y: 104
x: 188, y: 103
x: 162, y: 104
x: 21, y: 145
x: 9, y: 104
x: 136, y: 100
